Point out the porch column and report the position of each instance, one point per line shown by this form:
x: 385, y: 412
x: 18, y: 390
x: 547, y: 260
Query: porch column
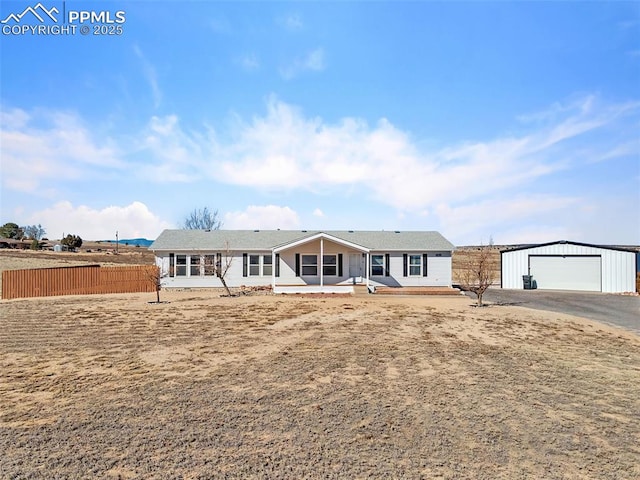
x: 368, y: 262
x: 273, y: 270
x: 321, y: 262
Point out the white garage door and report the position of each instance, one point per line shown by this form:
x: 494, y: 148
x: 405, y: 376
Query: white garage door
x: 566, y: 272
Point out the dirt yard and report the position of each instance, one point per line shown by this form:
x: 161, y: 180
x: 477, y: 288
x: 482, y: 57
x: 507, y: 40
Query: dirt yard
x: 295, y: 387
x: 14, y: 259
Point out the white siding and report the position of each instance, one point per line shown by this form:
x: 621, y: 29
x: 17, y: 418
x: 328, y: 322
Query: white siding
x: 438, y: 269
x: 288, y: 270
x: 618, y: 267
x: 163, y: 263
x: 233, y: 278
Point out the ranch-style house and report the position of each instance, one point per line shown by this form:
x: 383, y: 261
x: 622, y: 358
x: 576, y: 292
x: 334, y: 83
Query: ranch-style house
x: 303, y: 261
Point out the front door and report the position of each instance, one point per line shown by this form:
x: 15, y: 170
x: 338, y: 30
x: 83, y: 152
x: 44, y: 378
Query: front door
x: 355, y: 267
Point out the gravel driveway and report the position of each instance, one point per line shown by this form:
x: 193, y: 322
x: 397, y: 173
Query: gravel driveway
x: 619, y: 310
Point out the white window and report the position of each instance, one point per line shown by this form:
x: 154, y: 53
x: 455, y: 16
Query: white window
x: 415, y: 265
x: 377, y: 265
x: 267, y: 265
x: 254, y: 265
x: 181, y: 265
x: 330, y: 265
x: 309, y: 265
x: 194, y: 271
x: 258, y: 265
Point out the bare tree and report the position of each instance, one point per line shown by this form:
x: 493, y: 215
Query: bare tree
x: 202, y: 219
x: 155, y: 276
x: 218, y: 265
x: 34, y: 232
x: 223, y: 264
x: 478, y: 270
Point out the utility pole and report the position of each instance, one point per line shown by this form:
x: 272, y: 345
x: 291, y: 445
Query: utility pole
x: 116, y: 242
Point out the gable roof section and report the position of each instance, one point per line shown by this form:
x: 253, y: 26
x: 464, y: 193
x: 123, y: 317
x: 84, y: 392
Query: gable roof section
x: 317, y: 236
x: 254, y: 240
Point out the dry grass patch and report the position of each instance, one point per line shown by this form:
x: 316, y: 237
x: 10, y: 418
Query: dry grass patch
x: 289, y: 387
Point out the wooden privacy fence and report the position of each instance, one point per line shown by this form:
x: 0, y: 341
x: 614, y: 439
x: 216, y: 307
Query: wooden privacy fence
x: 83, y: 280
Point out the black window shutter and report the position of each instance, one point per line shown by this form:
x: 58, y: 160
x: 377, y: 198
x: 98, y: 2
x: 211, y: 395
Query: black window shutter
x: 386, y: 265
x: 339, y: 264
x: 404, y: 264
x: 244, y: 264
x: 424, y: 264
x: 297, y: 264
x: 172, y: 263
x: 277, y: 265
x: 218, y: 267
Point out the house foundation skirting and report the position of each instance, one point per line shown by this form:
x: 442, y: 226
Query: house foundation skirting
x: 290, y: 289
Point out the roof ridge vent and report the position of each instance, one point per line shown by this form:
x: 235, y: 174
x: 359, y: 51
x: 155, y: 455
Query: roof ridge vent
x: 397, y: 231
x: 255, y: 231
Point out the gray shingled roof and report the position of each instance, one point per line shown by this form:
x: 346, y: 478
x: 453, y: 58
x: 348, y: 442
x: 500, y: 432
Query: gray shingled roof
x: 172, y: 240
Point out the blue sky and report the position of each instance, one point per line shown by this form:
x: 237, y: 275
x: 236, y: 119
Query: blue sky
x: 518, y: 121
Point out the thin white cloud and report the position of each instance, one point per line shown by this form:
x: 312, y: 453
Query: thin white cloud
x: 175, y: 155
x: 458, y: 187
x: 589, y: 117
x: 291, y: 22
x: 566, y: 218
x: 623, y: 150
x: 262, y: 217
x: 313, y: 61
x: 487, y: 217
x: 130, y: 221
x: 525, y: 234
x: 285, y: 150
x: 151, y: 76
x: 221, y: 25
x: 318, y: 213
x: 48, y: 145
x: 559, y: 110
x: 13, y: 118
x: 249, y: 62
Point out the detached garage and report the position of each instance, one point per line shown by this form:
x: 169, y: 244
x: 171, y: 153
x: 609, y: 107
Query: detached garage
x: 567, y: 265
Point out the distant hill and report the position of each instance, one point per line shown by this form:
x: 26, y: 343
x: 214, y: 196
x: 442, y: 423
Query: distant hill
x: 139, y: 242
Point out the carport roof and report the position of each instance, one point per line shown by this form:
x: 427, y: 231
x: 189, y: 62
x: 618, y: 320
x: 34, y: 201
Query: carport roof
x: 217, y: 240
x: 567, y: 242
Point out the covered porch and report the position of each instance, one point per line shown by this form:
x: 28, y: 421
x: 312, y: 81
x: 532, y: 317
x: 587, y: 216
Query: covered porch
x: 320, y: 263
